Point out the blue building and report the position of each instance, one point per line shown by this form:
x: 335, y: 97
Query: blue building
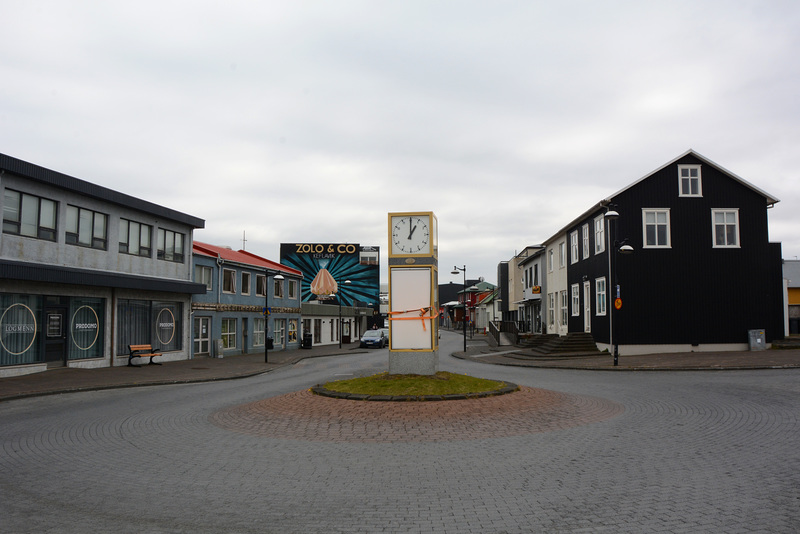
x: 229, y: 317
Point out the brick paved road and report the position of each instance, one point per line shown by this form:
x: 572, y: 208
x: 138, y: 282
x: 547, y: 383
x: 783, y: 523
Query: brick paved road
x: 686, y: 452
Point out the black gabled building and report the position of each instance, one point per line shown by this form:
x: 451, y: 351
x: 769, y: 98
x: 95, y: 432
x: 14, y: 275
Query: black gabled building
x: 701, y: 275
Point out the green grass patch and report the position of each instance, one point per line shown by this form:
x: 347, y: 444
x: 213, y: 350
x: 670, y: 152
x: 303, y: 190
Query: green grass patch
x: 414, y: 385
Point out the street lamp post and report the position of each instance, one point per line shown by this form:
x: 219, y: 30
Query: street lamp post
x: 464, y: 317
x: 621, y: 248
x: 278, y: 277
x: 339, y: 298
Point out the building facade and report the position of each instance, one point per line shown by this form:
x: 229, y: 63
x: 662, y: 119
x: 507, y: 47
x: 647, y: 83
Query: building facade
x: 534, y: 289
x: 331, y: 324
x: 511, y: 278
x: 230, y: 317
x: 680, y: 260
x: 86, y: 271
x: 791, y: 276
x: 555, y: 305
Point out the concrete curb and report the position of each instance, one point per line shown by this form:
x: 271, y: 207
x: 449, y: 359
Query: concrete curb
x: 508, y: 387
x: 533, y: 364
x: 58, y: 390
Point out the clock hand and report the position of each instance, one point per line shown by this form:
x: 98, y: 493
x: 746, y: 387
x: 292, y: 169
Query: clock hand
x: 411, y: 232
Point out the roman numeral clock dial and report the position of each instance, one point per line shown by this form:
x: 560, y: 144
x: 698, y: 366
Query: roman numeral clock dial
x: 411, y: 235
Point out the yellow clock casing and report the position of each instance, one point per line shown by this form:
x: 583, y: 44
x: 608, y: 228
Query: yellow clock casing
x: 412, y: 234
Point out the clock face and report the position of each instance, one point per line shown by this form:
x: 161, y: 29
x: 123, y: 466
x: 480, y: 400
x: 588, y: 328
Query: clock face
x: 411, y: 234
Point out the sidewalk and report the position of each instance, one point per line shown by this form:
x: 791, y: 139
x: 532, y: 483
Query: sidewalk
x: 481, y: 351
x: 63, y: 380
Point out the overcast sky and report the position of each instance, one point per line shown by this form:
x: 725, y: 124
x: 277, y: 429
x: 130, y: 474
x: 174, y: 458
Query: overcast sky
x: 307, y: 122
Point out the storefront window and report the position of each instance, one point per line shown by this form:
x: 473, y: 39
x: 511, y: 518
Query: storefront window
x: 143, y: 322
x: 86, y: 328
x: 19, y: 330
x: 167, y: 325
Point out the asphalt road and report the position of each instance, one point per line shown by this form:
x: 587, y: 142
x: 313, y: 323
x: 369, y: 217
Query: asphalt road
x: 644, y: 452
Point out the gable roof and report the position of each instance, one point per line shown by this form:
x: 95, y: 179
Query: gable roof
x: 489, y: 297
x: 532, y: 252
x: 480, y: 287
x: 241, y: 257
x: 771, y: 200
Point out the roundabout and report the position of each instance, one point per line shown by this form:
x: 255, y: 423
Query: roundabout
x: 570, y: 451
x: 307, y: 416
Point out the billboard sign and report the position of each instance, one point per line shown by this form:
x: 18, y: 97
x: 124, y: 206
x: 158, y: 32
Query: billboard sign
x: 327, y: 266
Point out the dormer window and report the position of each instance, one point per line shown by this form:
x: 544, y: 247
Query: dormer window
x: 690, y: 181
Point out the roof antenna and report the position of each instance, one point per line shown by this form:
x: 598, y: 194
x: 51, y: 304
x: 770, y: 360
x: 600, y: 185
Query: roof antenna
x: 244, y: 239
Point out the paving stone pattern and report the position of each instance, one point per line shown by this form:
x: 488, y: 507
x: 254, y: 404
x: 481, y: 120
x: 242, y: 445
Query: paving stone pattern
x: 663, y: 453
x: 305, y: 416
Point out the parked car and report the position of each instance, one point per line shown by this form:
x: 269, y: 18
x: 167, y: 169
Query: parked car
x: 385, y: 334
x: 373, y: 338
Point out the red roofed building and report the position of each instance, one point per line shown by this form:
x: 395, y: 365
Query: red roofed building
x: 230, y: 317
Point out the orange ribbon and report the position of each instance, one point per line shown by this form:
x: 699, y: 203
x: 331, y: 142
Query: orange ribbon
x: 421, y: 317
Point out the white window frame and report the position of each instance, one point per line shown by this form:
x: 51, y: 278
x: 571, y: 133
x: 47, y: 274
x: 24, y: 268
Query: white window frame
x: 551, y: 311
x: 562, y: 254
x: 292, y: 331
x: 573, y: 239
x: 735, y: 224
x: 202, y: 275
x: 277, y: 289
x: 599, y: 234
x: 699, y: 179
x: 600, y: 293
x: 228, y: 337
x: 585, y: 232
x: 279, y: 328
x: 293, y: 289
x: 246, y: 282
x: 564, y: 308
x: 550, y: 260
x: 587, y: 306
x: 229, y: 281
x: 656, y: 211
x: 576, y: 300
x: 261, y: 285
x: 258, y: 331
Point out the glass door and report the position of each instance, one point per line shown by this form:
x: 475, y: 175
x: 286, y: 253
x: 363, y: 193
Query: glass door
x: 202, y: 336
x: 55, y: 350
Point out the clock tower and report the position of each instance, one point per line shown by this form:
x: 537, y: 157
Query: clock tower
x: 413, y: 293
